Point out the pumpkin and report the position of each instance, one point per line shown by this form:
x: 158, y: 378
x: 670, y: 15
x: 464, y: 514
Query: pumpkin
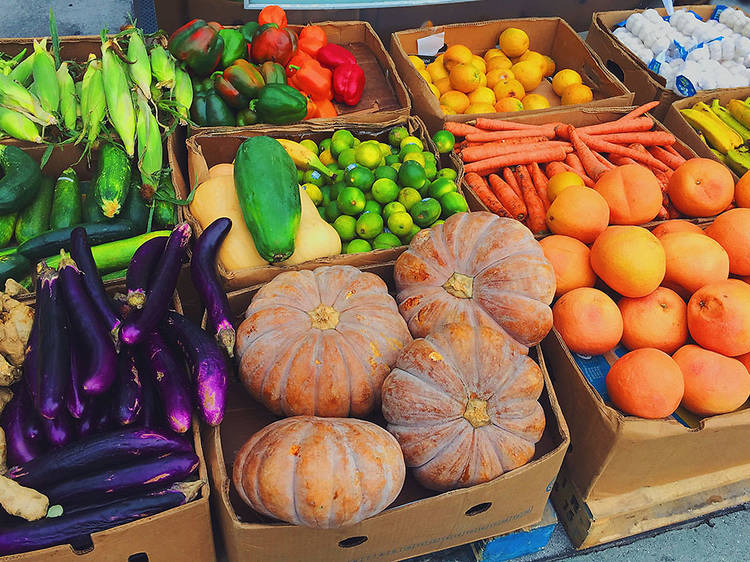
x: 320, y: 342
x: 477, y: 269
x: 319, y: 472
x: 462, y: 403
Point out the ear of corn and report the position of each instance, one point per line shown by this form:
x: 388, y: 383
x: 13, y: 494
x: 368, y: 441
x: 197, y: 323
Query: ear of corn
x: 93, y: 100
x: 119, y: 100
x: 43, y: 69
x: 140, y: 70
x: 16, y: 97
x: 162, y: 67
x: 22, y: 71
x: 19, y: 126
x: 183, y: 93
x: 79, y: 101
x: 67, y: 96
x: 149, y: 145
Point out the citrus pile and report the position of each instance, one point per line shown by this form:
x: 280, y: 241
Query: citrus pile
x: 382, y: 194
x: 504, y: 79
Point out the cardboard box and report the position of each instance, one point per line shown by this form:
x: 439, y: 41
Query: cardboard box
x: 636, y: 471
x: 419, y: 521
x: 549, y: 36
x: 209, y: 149
x: 676, y: 123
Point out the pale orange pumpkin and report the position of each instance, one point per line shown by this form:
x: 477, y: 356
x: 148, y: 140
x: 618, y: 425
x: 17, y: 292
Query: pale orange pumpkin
x: 477, y: 269
x: 319, y: 472
x: 320, y: 342
x: 463, y: 405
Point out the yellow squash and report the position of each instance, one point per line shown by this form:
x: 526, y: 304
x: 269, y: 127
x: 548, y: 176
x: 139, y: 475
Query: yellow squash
x: 315, y: 237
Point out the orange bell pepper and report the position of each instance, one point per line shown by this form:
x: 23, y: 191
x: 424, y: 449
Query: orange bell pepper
x: 313, y: 78
x: 272, y: 14
x: 325, y: 109
x: 312, y: 38
x: 312, y: 107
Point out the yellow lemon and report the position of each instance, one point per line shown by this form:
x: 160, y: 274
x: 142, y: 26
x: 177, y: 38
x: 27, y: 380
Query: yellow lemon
x: 447, y: 110
x: 536, y: 58
x: 443, y: 85
x: 456, y: 54
x: 549, y: 69
x: 482, y: 79
x: 465, y: 78
x: 478, y: 61
x: 480, y: 108
x: 457, y: 101
x: 535, y: 101
x: 483, y: 94
x: 513, y: 42
x: 509, y: 89
x: 498, y: 62
x: 439, y: 58
x: 435, y: 90
x: 436, y: 70
x: 560, y: 181
x: 508, y: 104
x: 577, y: 93
x: 498, y: 75
x: 565, y: 78
x: 417, y: 62
x: 491, y: 53
x: 528, y: 73
x: 426, y: 75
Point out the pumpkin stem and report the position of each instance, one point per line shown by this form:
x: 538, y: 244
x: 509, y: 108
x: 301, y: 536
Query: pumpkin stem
x: 324, y: 317
x: 460, y: 286
x: 476, y: 412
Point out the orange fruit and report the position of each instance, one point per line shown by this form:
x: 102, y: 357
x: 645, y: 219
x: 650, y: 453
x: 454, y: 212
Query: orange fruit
x: 742, y: 191
x: 455, y: 55
x: 560, y: 181
x: 577, y: 93
x: 579, y: 212
x: 482, y: 79
x: 535, y: 101
x: 549, y: 68
x: 426, y: 75
x: 719, y: 317
x: 417, y: 62
x: 491, y: 53
x: 478, y: 61
x: 435, y: 90
x: 465, y: 78
x: 646, y: 383
x: 448, y: 110
x: 657, y: 320
x: 513, y: 42
x: 528, y: 73
x: 588, y: 321
x: 632, y: 192
x: 499, y: 63
x: 565, y: 78
x: 498, y: 75
x: 480, y: 107
x: 457, y: 101
x: 436, y: 70
x: 509, y: 89
x: 676, y: 225
x: 508, y: 104
x: 570, y: 261
x: 483, y: 94
x: 731, y: 229
x: 536, y: 58
x: 693, y: 260
x: 701, y: 187
x: 443, y: 85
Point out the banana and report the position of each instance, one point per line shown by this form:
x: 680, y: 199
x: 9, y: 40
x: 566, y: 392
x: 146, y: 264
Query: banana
x: 718, y: 135
x: 729, y: 120
x: 303, y: 157
x: 738, y: 160
x: 722, y: 157
x: 740, y: 110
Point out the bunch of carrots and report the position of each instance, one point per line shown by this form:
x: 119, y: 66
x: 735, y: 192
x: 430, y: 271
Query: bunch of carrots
x: 503, y: 160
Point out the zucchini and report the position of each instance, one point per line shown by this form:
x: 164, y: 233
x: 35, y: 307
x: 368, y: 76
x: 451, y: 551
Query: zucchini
x: 268, y: 192
x: 66, y: 204
x: 112, y: 181
x: 13, y: 266
x: 52, y: 241
x: 91, y: 211
x: 119, y: 274
x: 165, y: 212
x: 21, y: 179
x: 34, y: 219
x: 7, y: 227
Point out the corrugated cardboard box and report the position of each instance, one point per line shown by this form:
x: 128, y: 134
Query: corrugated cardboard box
x: 419, y: 521
x: 549, y: 36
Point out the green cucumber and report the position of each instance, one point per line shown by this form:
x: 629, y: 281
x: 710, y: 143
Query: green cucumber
x: 136, y: 210
x: 13, y: 266
x: 119, y: 274
x: 66, y: 204
x: 112, y: 181
x: 51, y: 242
x: 268, y: 192
x: 91, y: 211
x: 7, y: 227
x: 165, y: 212
x: 34, y: 219
x: 20, y: 181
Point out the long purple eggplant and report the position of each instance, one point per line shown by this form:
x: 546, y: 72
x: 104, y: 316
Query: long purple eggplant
x: 80, y: 251
x: 203, y: 273
x: 140, y: 325
x: 20, y: 449
x: 75, y: 401
x: 128, y: 388
x: 103, y: 419
x: 117, y: 482
x: 168, y: 373
x: 151, y: 414
x: 141, y: 269
x: 84, y: 319
x: 85, y: 426
x: 61, y: 530
x: 208, y: 363
x: 98, y: 452
x: 59, y: 431
x: 54, y: 343
x: 32, y: 359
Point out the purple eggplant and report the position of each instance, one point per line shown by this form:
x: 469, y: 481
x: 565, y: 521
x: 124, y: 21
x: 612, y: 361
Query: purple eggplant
x: 80, y: 251
x: 141, y: 268
x: 144, y: 476
x: 203, y: 273
x: 86, y: 425
x: 74, y: 398
x: 20, y: 449
x: 58, y: 431
x: 129, y: 390
x: 32, y: 357
x: 103, y: 420
x: 52, y: 531
x: 209, y: 365
x: 101, y: 364
x: 168, y: 373
x: 151, y: 414
x: 54, y: 342
x: 97, y: 452
x: 140, y: 325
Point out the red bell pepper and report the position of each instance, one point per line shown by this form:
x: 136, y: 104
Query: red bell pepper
x: 272, y: 14
x: 348, y: 83
x: 198, y: 44
x: 333, y: 55
x: 312, y: 78
x: 311, y: 39
x: 274, y: 44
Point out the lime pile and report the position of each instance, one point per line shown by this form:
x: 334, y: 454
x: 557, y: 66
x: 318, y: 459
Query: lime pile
x: 381, y: 194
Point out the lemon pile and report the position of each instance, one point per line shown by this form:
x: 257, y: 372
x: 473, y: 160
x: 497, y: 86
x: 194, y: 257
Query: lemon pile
x: 502, y: 80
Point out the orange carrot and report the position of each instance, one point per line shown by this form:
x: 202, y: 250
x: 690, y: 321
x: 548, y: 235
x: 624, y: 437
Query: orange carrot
x: 505, y: 194
x: 506, y: 142
x: 667, y: 157
x: 540, y: 154
x: 554, y: 168
x: 644, y: 157
x: 480, y: 188
x: 593, y: 167
x: 606, y: 163
x: 501, y: 125
x: 491, y: 149
x: 540, y: 183
x: 574, y: 162
x: 650, y: 138
x: 610, y: 127
x: 673, y: 152
x: 619, y: 160
x: 536, y: 217
x: 541, y: 130
x: 510, y: 179
x: 662, y: 179
x: 460, y: 129
x: 640, y: 110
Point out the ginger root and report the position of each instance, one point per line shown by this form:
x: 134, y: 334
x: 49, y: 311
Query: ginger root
x: 6, y: 394
x: 13, y: 288
x: 16, y: 320
x: 8, y: 373
x: 22, y: 502
x: 3, y: 448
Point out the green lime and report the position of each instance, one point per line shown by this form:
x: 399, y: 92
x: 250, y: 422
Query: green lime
x: 332, y: 211
x: 385, y: 149
x: 314, y: 192
x: 396, y: 166
x: 415, y: 156
x: 351, y: 201
x: 396, y: 135
x: 386, y: 172
x: 313, y: 176
x: 408, y: 196
x: 429, y: 157
x: 346, y: 157
x: 359, y: 177
x: 386, y: 240
x: 441, y: 186
x: 357, y: 246
x: 368, y: 155
x: 336, y: 189
x: 322, y: 212
x: 325, y: 192
x: 324, y: 145
x: 369, y: 225
x: 372, y: 206
x: 391, y: 160
x: 411, y: 174
x: 393, y: 207
x: 437, y: 222
x: 449, y: 173
x: 310, y: 145
x: 408, y: 149
x: 430, y: 171
x: 385, y: 190
x: 400, y: 223
x: 368, y: 196
x: 338, y: 175
x: 423, y: 191
x: 300, y: 176
x: 453, y: 203
x: 444, y: 140
x: 406, y: 238
x: 425, y: 212
x: 411, y: 140
x: 356, y: 142
x: 342, y: 135
x: 345, y: 226
x: 339, y: 146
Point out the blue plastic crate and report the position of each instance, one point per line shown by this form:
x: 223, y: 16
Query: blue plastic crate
x: 520, y: 543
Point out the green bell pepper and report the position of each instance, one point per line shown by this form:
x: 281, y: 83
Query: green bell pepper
x: 273, y: 73
x: 245, y: 77
x: 247, y: 117
x: 199, y: 45
x: 279, y: 104
x: 198, y: 107
x: 248, y: 30
x: 218, y: 113
x: 235, y: 47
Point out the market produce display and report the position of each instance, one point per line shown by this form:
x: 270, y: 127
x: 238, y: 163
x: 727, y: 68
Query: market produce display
x: 503, y: 79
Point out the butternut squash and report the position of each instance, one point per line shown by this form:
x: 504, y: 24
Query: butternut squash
x: 315, y: 237
x: 221, y: 170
